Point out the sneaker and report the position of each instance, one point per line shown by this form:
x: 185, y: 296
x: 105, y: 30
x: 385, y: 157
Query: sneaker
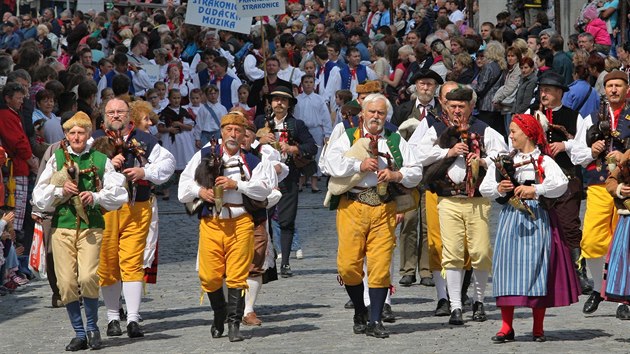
x: 285, y: 271
x: 299, y: 254
x: 19, y: 280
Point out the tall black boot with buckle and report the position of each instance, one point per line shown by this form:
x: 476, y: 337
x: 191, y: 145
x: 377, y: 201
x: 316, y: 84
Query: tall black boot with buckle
x: 235, y: 310
x: 219, y: 307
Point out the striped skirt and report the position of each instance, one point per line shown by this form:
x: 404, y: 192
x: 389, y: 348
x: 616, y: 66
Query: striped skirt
x: 617, y: 274
x: 521, y: 252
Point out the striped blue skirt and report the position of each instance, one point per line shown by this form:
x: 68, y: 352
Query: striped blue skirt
x: 521, y: 252
x: 618, y: 266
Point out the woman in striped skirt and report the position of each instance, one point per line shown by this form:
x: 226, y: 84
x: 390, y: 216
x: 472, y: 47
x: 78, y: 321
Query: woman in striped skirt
x: 617, y: 271
x: 531, y: 265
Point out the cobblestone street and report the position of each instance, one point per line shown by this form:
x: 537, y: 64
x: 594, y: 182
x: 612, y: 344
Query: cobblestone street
x: 301, y: 314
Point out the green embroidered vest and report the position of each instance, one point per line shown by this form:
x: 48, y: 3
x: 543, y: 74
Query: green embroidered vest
x: 65, y: 214
x: 393, y: 143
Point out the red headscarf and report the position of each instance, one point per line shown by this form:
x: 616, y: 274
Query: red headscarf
x: 532, y: 128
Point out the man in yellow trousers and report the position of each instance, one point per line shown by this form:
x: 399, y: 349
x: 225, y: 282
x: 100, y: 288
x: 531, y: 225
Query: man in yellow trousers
x: 366, y: 219
x: 226, y: 231
x: 126, y: 229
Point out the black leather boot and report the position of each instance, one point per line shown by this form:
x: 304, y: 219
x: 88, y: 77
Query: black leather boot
x: 581, y: 271
x: 219, y: 307
x: 235, y: 310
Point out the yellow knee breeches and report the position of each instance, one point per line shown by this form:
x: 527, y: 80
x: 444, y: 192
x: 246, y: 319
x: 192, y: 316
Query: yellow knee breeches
x: 600, y: 220
x: 226, y: 248
x: 124, y: 240
x: 365, y: 231
x: 76, y: 262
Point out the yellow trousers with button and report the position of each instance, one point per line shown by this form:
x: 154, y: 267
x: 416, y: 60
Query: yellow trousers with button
x: 434, y: 240
x: 433, y: 231
x: 226, y: 249
x: 124, y: 240
x: 464, y: 225
x: 600, y: 220
x: 365, y: 231
x: 76, y: 262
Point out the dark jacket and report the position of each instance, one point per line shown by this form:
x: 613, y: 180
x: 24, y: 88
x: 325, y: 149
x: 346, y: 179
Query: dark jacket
x: 84, y: 107
x: 402, y: 111
x: 466, y: 77
x: 524, y: 93
x: 563, y: 65
x: 255, y: 100
x: 300, y: 137
x: 75, y: 36
x: 488, y: 83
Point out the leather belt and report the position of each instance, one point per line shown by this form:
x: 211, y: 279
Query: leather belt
x: 368, y: 197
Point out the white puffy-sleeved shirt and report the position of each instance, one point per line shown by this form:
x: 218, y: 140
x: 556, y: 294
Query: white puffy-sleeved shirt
x: 327, y: 89
x: 291, y: 74
x: 252, y: 71
x: 139, y: 80
x: 337, y: 165
x: 581, y: 154
x: 421, y: 129
x: 258, y: 186
x: 205, y: 120
x: 273, y: 156
x: 160, y: 165
x: 311, y: 109
x: 337, y: 131
x: 553, y: 185
x: 111, y: 197
x: 430, y: 152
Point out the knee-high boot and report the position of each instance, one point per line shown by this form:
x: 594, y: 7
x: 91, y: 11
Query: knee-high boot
x: 217, y: 302
x: 235, y: 309
x: 581, y: 273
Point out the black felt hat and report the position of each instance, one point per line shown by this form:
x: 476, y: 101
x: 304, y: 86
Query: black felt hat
x: 282, y: 91
x: 551, y: 78
x: 460, y: 94
x: 427, y: 74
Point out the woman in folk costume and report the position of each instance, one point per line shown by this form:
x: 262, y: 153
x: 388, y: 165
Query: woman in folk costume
x: 143, y: 118
x: 71, y: 186
x: 531, y: 264
x: 617, y: 271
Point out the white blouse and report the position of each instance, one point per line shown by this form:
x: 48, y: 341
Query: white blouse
x: 553, y: 186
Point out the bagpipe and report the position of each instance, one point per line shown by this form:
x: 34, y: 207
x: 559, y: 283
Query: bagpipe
x: 506, y: 170
x: 458, y: 132
x: 113, y: 144
x: 70, y: 172
x: 605, y: 129
x: 210, y: 167
x: 406, y: 199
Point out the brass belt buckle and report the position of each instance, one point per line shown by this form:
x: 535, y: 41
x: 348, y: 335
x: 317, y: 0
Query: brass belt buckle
x: 369, y: 197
